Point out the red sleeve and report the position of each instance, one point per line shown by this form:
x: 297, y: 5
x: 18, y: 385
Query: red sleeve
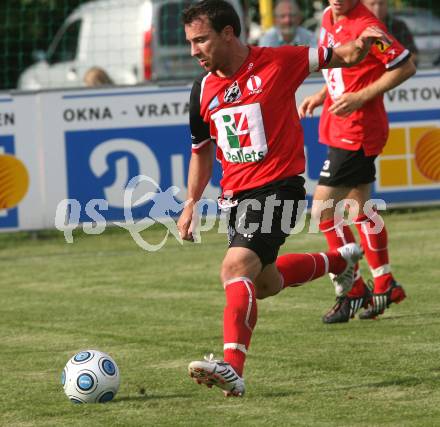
x: 389, y: 51
x: 299, y: 61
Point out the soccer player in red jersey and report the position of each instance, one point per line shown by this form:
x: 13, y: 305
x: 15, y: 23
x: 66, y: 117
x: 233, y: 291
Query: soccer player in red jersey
x: 354, y: 125
x: 243, y: 107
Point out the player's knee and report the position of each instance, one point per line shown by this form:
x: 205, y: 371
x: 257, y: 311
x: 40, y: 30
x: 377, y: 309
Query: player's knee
x: 228, y: 273
x: 229, y: 270
x: 320, y: 213
x: 240, y: 262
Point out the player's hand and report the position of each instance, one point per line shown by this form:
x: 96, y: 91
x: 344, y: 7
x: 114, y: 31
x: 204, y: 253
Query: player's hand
x: 346, y: 104
x: 370, y: 35
x: 185, y: 221
x: 309, y: 104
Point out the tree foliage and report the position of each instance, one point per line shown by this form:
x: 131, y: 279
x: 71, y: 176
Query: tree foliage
x: 27, y: 26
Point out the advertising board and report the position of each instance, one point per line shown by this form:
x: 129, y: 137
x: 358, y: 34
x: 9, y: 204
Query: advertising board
x: 86, y: 145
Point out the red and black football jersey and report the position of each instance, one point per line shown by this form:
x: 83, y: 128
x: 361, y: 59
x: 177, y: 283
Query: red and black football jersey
x: 368, y: 126
x: 252, y: 115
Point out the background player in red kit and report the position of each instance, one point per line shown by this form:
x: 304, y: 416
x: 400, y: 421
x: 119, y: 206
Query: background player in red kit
x: 245, y: 104
x: 354, y: 125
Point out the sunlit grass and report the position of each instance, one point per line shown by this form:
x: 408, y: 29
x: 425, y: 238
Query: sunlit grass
x: 155, y: 312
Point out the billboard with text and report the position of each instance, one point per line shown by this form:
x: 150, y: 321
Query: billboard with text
x: 88, y: 144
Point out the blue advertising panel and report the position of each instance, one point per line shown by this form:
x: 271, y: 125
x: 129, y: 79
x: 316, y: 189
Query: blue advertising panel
x: 399, y: 179
x: 85, y: 146
x: 100, y: 163
x: 8, y: 217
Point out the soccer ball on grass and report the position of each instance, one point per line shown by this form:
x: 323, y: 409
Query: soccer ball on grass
x: 90, y: 376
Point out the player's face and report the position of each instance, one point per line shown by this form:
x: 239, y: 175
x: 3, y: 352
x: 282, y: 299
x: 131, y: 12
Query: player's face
x: 341, y: 7
x: 208, y: 46
x: 287, y: 17
x: 377, y: 7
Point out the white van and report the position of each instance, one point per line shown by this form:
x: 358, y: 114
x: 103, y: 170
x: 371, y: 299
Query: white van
x: 132, y: 40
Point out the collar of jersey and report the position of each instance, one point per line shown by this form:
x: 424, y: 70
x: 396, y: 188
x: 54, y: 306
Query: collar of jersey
x: 246, y: 62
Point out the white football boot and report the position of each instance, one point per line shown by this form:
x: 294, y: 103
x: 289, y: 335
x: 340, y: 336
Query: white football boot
x: 211, y: 371
x: 343, y: 282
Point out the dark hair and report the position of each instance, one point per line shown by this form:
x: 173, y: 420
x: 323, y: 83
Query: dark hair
x: 220, y: 14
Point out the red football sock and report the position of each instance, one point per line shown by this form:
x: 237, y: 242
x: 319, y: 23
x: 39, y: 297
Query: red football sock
x: 375, y: 245
x: 359, y: 285
x: 240, y: 317
x: 339, y: 235
x: 297, y: 269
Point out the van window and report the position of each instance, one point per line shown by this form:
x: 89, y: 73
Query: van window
x: 171, y: 31
x: 65, y: 45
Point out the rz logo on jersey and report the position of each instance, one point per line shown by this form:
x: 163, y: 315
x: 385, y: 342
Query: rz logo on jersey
x: 237, y: 129
x: 254, y: 84
x: 232, y: 93
x: 240, y: 133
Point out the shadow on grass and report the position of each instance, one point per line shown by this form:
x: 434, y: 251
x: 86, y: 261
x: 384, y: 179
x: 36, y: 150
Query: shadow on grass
x: 150, y: 397
x: 286, y: 393
x: 405, y: 316
x: 402, y: 382
x: 408, y: 381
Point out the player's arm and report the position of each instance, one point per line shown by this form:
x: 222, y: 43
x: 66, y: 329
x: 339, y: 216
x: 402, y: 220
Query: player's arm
x: 347, y: 55
x: 201, y: 163
x: 199, y: 174
x: 355, y: 51
x: 352, y: 101
x: 389, y: 80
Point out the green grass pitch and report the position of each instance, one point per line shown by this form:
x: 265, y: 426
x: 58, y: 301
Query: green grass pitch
x: 155, y: 312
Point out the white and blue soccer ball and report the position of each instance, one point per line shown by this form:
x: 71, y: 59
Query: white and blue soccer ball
x: 90, y: 376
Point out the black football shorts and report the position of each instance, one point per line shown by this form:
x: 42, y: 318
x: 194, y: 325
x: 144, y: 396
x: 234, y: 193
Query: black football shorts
x: 264, y: 217
x: 344, y: 168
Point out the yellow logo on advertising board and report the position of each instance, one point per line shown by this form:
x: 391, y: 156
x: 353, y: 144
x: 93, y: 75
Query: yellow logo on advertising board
x: 14, y: 181
x: 427, y: 155
x: 411, y: 158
